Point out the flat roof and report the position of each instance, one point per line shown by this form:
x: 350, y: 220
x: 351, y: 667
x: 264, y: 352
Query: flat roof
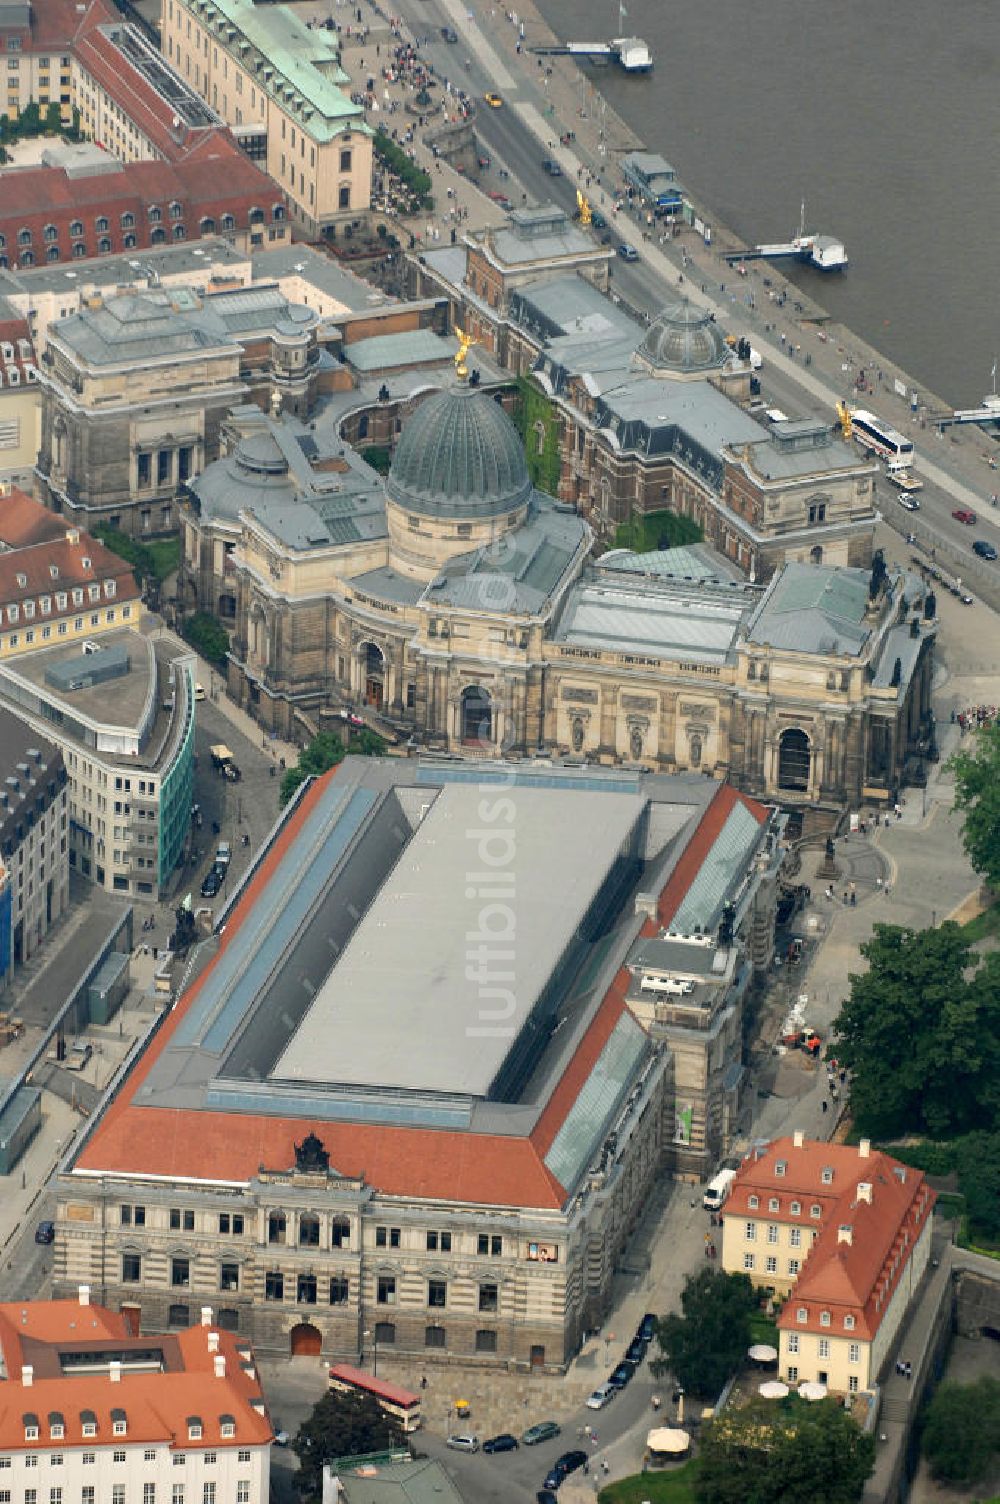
x: 691, y: 623
x: 398, y: 1008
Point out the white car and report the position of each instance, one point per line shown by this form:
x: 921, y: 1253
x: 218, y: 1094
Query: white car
x: 600, y: 1397
x: 908, y: 501
x: 463, y: 1443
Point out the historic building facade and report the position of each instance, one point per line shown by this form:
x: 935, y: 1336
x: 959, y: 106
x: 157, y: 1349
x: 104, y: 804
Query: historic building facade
x: 464, y: 608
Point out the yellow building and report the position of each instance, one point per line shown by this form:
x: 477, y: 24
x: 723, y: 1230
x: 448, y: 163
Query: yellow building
x: 279, y: 85
x: 842, y: 1235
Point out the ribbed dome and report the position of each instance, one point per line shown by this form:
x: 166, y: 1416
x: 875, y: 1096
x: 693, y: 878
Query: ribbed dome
x: 684, y: 338
x: 459, y: 456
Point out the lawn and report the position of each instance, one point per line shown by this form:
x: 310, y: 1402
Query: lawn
x: 657, y: 530
x: 673, y: 1486
x: 763, y: 1329
x: 985, y: 924
x: 166, y: 556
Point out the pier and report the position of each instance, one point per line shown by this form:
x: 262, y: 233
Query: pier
x: 630, y: 53
x: 822, y: 251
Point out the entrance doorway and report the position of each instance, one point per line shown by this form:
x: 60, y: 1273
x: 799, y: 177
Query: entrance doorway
x: 477, y: 717
x: 131, y: 1315
x: 374, y: 676
x: 306, y: 1341
x: 537, y: 1356
x: 794, y: 760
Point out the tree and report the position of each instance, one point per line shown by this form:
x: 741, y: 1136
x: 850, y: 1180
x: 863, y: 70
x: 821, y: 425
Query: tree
x: 207, y: 636
x: 962, y: 1430
x: 341, y: 1425
x: 702, y: 1347
x: 977, y: 793
x: 921, y: 1033
x: 324, y: 752
x: 767, y: 1453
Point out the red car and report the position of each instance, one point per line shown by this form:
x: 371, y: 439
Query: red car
x: 962, y: 515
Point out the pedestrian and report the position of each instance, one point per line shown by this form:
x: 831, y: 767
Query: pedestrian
x: 606, y: 1466
x: 825, y: 1104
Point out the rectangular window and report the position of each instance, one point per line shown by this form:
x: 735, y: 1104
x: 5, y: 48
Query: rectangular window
x: 243, y: 1491
x: 772, y: 1232
x: 208, y: 1493
x: 793, y: 1375
x: 824, y: 1347
x: 854, y: 1352
x: 386, y: 1295
x: 437, y: 1291
x: 852, y: 1384
x: 131, y: 1268
x: 795, y: 1237
x: 489, y: 1297
x: 793, y: 1266
x: 748, y: 1261
x: 274, y: 1286
x: 180, y: 1272
x: 149, y: 1493
x: 750, y: 1231
x: 229, y: 1277
x: 771, y: 1264
x: 177, y: 1496
x: 793, y: 1342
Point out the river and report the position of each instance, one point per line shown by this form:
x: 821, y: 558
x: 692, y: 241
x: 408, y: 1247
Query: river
x: 884, y: 117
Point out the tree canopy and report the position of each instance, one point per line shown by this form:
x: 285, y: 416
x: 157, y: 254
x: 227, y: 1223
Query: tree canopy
x: 207, y: 636
x: 702, y: 1347
x: 977, y: 794
x: 341, y: 1425
x: 767, y: 1453
x: 921, y: 1034
x: 962, y: 1431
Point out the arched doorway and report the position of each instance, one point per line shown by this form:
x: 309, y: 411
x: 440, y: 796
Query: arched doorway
x: 306, y: 1341
x: 477, y: 717
x: 794, y: 760
x: 373, y: 663
x: 816, y: 554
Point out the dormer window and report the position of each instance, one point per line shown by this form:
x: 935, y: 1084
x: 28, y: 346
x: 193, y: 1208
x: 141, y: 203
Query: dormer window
x: 824, y: 1318
x: 45, y: 602
x: 773, y: 1204
x: 780, y: 1167
x: 848, y: 1323
x: 796, y: 1208
x: 61, y: 600
x: 57, y: 1431
x: 22, y: 580
x: 802, y: 1314
x: 93, y: 592
x: 89, y: 1428
x: 753, y: 1202
x: 12, y: 612
x: 227, y: 1426
x: 118, y: 1428
x: 78, y: 597
x: 110, y: 587
x: 29, y: 609
x: 815, y: 1210
x: 827, y: 1175
x: 30, y: 1423
x: 194, y: 1429
x: 85, y: 562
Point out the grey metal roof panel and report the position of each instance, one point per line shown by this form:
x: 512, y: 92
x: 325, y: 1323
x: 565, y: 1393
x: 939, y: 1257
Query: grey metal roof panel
x: 815, y: 609
x: 388, y: 585
x: 600, y: 1098
x: 410, y: 347
x: 696, y: 561
x: 661, y: 622
x: 701, y: 905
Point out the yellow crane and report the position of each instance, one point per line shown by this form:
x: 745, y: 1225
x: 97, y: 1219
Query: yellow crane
x: 583, y: 204
x: 844, y: 414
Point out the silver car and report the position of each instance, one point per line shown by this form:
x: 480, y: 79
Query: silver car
x: 463, y: 1443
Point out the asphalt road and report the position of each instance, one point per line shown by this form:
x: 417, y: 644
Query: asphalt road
x: 27, y: 1264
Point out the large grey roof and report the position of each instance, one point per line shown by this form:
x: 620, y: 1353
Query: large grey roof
x: 518, y: 574
x: 117, y: 271
x: 459, y: 456
x: 694, y: 626
x: 542, y: 234
x: 692, y: 561
x: 813, y: 608
x: 320, y: 272
x: 409, y: 347
x: 397, y: 1009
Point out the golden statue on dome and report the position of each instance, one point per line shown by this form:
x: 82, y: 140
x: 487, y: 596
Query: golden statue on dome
x: 465, y: 344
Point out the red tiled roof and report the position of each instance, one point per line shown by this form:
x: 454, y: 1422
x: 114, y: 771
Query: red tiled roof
x: 24, y: 521
x: 156, y: 1404
x: 57, y: 24
x: 844, y: 1271
x: 34, y: 565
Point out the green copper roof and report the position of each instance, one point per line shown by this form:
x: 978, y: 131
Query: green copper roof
x: 459, y: 456
x: 304, y: 63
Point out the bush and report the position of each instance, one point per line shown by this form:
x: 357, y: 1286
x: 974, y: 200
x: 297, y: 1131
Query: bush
x: 207, y: 636
x: 149, y: 561
x: 410, y: 175
x: 962, y: 1431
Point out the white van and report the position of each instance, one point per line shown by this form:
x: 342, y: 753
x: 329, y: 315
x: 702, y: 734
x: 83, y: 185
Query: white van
x: 717, y: 1190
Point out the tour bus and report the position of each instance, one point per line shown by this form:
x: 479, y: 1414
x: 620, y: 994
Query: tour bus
x: 400, y: 1403
x: 878, y: 438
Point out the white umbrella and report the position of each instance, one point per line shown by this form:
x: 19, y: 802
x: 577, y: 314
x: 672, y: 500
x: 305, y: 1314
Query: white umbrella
x: 668, y: 1439
x: 761, y: 1352
x: 810, y: 1391
x: 773, y: 1389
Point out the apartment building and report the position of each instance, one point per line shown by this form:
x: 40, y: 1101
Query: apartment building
x: 279, y: 84
x: 841, y: 1234
x: 92, y: 1413
x: 34, y: 839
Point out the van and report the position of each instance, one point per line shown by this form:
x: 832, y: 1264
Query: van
x: 717, y: 1190
x: 223, y: 855
x: 463, y: 1443
x: 199, y: 692
x: 775, y: 415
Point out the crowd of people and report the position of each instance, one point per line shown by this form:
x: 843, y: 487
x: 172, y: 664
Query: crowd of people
x: 974, y: 717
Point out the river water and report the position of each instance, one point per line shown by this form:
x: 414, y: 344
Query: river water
x: 883, y: 115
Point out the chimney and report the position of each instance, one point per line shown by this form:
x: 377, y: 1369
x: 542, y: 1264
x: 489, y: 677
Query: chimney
x: 798, y: 1138
x: 115, y: 1371
x: 213, y: 1342
x: 85, y: 1295
x: 845, y: 1233
x: 865, y: 1191
x: 27, y: 1375
x: 864, y: 1148
x: 206, y: 1315
x: 220, y: 1366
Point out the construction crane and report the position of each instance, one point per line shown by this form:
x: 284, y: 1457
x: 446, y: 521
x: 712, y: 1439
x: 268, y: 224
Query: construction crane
x: 583, y: 204
x: 844, y: 414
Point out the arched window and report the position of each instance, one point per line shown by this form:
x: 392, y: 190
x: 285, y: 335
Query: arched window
x: 175, y: 210
x: 104, y: 246
x: 52, y: 253
x: 128, y: 221
x: 256, y: 216
x: 178, y: 232
x: 228, y: 222
x: 79, y: 248
x: 76, y: 228
x: 476, y: 716
x: 101, y: 223
x: 155, y: 214
x: 308, y: 1230
x: 278, y: 212
x: 794, y: 760
x: 816, y: 554
x: 24, y: 237
x: 207, y: 225
x: 50, y: 232
x: 128, y: 241
x: 157, y: 236
x: 27, y: 258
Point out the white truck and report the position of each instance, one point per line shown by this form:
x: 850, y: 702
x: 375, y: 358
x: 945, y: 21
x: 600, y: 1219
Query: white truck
x: 717, y: 1190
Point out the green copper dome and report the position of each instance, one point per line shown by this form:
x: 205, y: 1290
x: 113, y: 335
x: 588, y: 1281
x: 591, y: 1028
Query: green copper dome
x: 459, y: 455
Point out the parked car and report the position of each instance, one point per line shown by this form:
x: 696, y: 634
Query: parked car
x: 212, y: 883
x: 545, y: 1496
x: 647, y: 1327
x: 598, y: 220
x: 908, y: 501
x: 501, y: 199
x: 45, y: 1232
x: 543, y: 1430
x: 570, y: 1462
x: 983, y: 549
x: 623, y: 1374
x: 448, y: 34
x: 962, y: 514
x: 505, y: 1442
x: 600, y: 1396
x: 199, y: 692
x: 552, y: 167
x: 463, y: 1443
x: 628, y: 252
x: 493, y: 100
x: 636, y: 1350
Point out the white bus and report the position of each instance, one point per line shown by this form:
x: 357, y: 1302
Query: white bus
x: 878, y: 438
